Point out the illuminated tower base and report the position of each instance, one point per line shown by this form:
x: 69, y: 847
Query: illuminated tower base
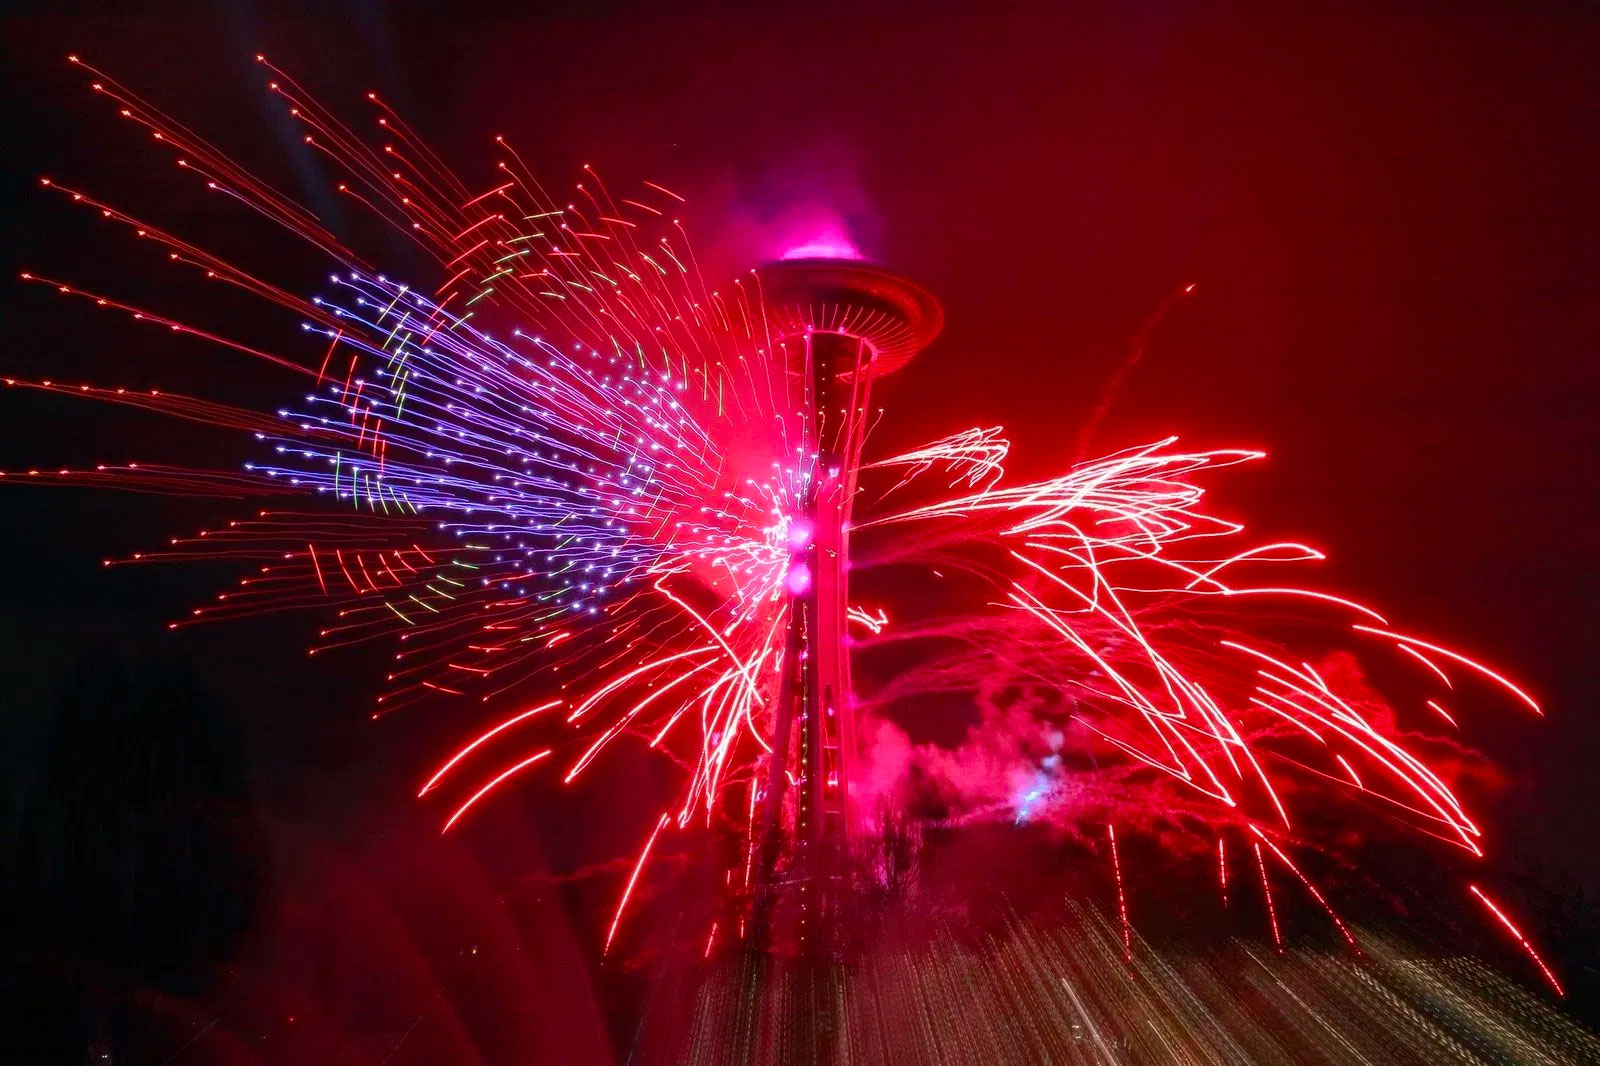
x: 838, y: 325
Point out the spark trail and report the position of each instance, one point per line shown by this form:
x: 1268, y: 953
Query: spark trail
x: 568, y: 478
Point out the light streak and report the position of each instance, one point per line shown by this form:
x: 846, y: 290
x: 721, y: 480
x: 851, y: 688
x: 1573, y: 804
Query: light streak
x: 1504, y: 682
x: 486, y: 789
x: 464, y: 752
x: 1494, y: 908
x: 1122, y: 898
x: 1266, y: 892
x: 1315, y: 894
x: 1222, y: 869
x: 578, y: 468
x: 633, y: 879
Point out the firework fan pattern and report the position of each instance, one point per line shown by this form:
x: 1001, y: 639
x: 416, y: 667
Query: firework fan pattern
x: 567, y: 474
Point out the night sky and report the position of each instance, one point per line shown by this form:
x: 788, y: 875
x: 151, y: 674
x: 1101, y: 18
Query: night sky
x: 1391, y: 223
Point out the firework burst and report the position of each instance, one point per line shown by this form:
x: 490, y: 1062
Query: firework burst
x: 572, y: 475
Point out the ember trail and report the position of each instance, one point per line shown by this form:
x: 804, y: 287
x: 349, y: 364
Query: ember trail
x: 571, y: 472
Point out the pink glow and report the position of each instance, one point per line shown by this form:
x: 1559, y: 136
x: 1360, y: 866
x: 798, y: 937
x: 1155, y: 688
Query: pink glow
x: 816, y: 235
x: 825, y: 248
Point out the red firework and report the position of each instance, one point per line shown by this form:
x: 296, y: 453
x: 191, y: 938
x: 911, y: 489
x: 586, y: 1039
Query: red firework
x: 574, y: 458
